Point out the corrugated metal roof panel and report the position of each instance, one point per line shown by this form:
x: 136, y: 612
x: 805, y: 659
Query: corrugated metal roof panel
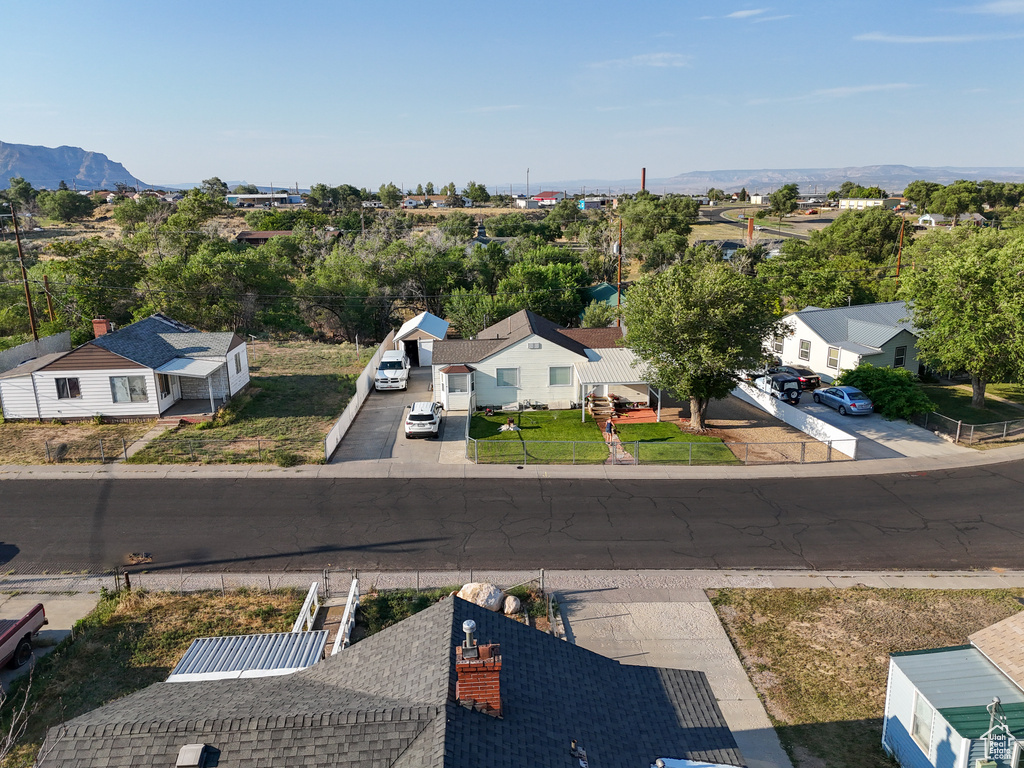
x: 869, y: 324
x: 973, y: 722
x: 425, y: 322
x: 957, y: 677
x: 215, y: 658
x: 614, y: 365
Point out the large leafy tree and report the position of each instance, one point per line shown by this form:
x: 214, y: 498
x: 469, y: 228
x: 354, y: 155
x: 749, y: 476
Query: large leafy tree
x: 967, y: 293
x: 958, y: 198
x: 214, y: 187
x: 655, y: 230
x: 476, y: 192
x: 65, y: 205
x: 390, y: 195
x: 554, y: 291
x: 783, y: 201
x: 920, y: 193
x: 695, y: 325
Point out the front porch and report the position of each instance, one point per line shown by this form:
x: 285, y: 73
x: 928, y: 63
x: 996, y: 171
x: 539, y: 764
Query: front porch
x: 189, y: 411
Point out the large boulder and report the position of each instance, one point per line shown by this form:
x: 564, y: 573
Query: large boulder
x: 485, y: 595
x: 512, y: 605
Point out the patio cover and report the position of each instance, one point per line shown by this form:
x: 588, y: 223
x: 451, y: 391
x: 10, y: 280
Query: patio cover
x: 193, y: 368
x: 610, y: 366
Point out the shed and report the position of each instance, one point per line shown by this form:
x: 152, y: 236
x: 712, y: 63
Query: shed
x: 229, y: 658
x: 416, y: 337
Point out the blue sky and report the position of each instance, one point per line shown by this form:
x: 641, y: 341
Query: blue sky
x: 410, y: 92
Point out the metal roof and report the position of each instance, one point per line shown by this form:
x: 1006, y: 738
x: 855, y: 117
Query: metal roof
x: 220, y: 658
x: 957, y: 677
x: 869, y: 324
x: 973, y: 722
x: 426, y: 322
x: 183, y: 366
x: 614, y: 365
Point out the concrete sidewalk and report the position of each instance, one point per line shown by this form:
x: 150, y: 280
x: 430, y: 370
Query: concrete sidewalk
x: 656, y: 618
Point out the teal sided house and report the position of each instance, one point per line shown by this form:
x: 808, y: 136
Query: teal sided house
x: 960, y: 707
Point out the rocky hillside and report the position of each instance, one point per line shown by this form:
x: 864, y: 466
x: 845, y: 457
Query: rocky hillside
x: 46, y: 167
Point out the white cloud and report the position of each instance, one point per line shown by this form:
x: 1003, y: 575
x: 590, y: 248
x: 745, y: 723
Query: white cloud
x: 772, y: 18
x: 999, y: 8
x: 883, y: 37
x: 842, y: 92
x: 648, y: 60
x: 746, y: 14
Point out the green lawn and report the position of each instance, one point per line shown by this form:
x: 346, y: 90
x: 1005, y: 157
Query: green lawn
x: 544, y: 437
x: 297, y: 391
x: 954, y: 401
x: 665, y: 443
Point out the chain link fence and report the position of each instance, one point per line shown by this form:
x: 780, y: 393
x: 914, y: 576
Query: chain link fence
x: 255, y: 450
x: 970, y: 433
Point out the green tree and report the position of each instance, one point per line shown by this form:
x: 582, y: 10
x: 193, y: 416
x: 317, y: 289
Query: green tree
x: 419, y: 190
x: 473, y: 309
x: 597, y: 314
x: 458, y: 228
x: 920, y: 193
x: 246, y: 189
x: 429, y: 189
x: 129, y: 214
x: 476, y: 192
x: 715, y: 194
x: 453, y: 199
x: 743, y: 196
x: 65, y: 205
x: 214, y: 187
x: 694, y: 325
x: 893, y: 391
x: 390, y: 195
x: 554, y: 291
x: 655, y: 229
x: 21, y: 193
x: 783, y: 201
x: 958, y: 198
x: 967, y: 293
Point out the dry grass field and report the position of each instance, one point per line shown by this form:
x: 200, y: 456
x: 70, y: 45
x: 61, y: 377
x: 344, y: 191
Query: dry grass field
x: 24, y: 442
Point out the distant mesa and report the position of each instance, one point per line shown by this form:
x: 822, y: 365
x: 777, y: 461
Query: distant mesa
x: 47, y: 167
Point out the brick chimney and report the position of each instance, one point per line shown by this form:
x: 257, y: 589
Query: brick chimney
x: 478, y: 673
x: 101, y: 326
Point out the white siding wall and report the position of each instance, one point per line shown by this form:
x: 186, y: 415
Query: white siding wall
x: 238, y: 380
x: 96, y: 395
x: 19, y: 401
x: 946, y: 744
x: 819, y: 352
x: 533, y: 365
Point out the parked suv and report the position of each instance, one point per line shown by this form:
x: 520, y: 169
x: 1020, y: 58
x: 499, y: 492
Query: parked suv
x: 424, y: 420
x: 393, y: 371
x: 780, y: 385
x: 808, y: 378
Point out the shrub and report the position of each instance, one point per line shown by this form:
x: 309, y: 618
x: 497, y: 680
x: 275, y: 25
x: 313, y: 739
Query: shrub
x: 894, y: 391
x: 285, y: 458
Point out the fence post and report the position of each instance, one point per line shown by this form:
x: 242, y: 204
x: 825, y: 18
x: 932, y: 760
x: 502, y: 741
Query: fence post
x: 926, y: 420
x: 689, y: 461
x: 524, y: 453
x: 103, y: 459
x: 124, y: 448
x: 191, y: 453
x: 47, y: 444
x: 828, y: 452
x: 746, y: 454
x: 972, y: 435
x: 959, y: 426
x: 476, y: 451
x: 803, y: 452
x: 636, y: 452
x: 259, y: 449
x: 574, y: 453
x: 1005, y: 425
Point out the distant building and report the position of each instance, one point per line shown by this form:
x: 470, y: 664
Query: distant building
x: 860, y: 203
x: 545, y: 199
x: 249, y: 201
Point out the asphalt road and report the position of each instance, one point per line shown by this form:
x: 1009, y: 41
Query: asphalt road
x: 955, y: 519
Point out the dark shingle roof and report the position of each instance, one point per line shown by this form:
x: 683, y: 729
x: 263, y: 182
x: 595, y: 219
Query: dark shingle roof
x: 158, y: 339
x: 388, y: 701
x: 512, y: 330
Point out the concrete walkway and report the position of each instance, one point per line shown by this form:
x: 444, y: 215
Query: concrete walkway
x: 656, y: 618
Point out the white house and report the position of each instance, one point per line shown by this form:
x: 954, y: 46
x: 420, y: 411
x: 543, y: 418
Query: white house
x: 417, y: 335
x: 958, y: 707
x: 832, y: 340
x: 139, y: 371
x: 526, y: 357
x: 860, y: 203
x: 545, y: 199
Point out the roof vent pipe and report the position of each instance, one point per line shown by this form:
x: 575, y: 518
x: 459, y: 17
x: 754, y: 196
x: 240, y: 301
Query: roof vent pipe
x: 469, y: 627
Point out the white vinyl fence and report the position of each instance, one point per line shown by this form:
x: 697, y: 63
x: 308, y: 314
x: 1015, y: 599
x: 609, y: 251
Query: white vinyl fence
x: 363, y: 386
x: 842, y: 441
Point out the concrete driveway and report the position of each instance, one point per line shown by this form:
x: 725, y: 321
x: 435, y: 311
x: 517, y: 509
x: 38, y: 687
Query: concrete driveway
x: 378, y: 432
x: 881, y: 439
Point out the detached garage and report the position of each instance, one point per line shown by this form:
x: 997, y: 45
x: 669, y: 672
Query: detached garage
x: 417, y: 336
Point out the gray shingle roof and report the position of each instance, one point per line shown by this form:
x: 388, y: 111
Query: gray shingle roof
x: 388, y: 701
x: 158, y: 339
x: 870, y: 325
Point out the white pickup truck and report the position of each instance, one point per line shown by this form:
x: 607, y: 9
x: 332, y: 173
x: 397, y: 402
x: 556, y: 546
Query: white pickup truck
x: 16, y: 636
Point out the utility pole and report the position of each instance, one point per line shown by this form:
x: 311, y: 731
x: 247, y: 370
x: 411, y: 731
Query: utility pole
x: 527, y: 183
x: 24, y: 275
x: 899, y: 253
x: 618, y: 286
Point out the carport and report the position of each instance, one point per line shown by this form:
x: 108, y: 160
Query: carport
x: 614, y: 371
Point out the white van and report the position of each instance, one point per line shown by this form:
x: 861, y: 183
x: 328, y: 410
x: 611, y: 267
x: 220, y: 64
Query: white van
x: 393, y: 371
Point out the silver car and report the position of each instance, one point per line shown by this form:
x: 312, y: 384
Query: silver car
x: 847, y: 400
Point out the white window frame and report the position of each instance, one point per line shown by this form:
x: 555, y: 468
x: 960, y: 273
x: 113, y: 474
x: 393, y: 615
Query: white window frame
x: 452, y: 378
x: 497, y: 377
x: 925, y: 745
x: 238, y: 362
x: 67, y: 394
x: 896, y: 356
x: 805, y: 351
x: 551, y: 375
x: 833, y: 359
x: 161, y: 379
x: 777, y: 343
x: 128, y: 384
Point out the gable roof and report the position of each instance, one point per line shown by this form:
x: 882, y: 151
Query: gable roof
x: 426, y: 322
x: 159, y: 339
x: 514, y: 329
x: 862, y: 328
x: 1003, y: 645
x: 388, y: 700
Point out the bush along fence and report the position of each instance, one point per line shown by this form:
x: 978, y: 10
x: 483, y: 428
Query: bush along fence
x: 639, y: 452
x: 970, y: 433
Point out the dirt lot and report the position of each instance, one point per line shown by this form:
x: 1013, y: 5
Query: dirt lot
x: 25, y: 442
x: 819, y: 657
x: 738, y: 423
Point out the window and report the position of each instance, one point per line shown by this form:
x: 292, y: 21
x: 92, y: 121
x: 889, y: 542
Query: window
x: 833, y: 357
x: 238, y: 362
x: 900, y: 358
x: 777, y: 343
x: 560, y: 376
x: 129, y: 389
x: 67, y: 389
x: 507, y: 377
x: 921, y: 727
x: 458, y: 382
x: 805, y: 350
x: 165, y: 384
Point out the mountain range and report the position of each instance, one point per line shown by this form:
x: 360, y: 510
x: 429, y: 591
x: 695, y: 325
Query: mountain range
x: 47, y: 167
